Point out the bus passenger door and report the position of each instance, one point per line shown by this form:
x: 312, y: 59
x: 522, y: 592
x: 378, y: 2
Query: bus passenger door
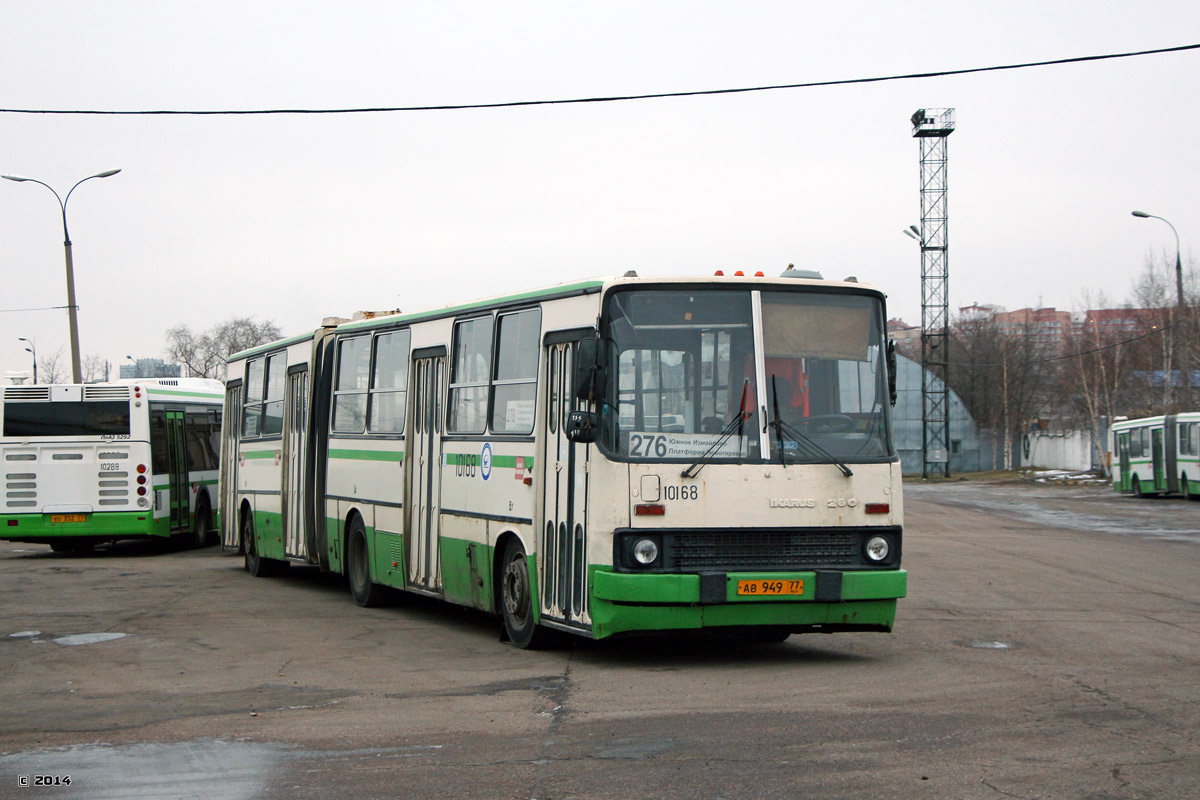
x: 295, y: 417
x: 1123, y: 461
x: 1156, y: 461
x: 563, y: 465
x: 231, y: 428
x: 424, y: 496
x: 177, y: 472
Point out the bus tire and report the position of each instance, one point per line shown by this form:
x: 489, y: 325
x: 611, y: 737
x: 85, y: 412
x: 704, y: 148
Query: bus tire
x: 256, y: 565
x: 202, y: 525
x: 1137, y: 487
x: 1185, y: 489
x: 516, y: 595
x: 365, y: 592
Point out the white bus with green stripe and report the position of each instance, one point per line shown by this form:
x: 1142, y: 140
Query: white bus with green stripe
x: 608, y: 457
x: 89, y: 463
x: 1157, y: 455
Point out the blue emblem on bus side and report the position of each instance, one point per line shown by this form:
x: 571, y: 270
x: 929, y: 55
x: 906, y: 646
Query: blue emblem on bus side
x: 485, y: 463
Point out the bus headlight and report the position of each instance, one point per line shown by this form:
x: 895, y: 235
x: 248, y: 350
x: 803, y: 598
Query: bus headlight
x: 645, y: 551
x: 878, y: 548
x: 143, y: 502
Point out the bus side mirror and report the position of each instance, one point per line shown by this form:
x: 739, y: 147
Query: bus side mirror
x: 891, y: 368
x: 581, y: 426
x: 591, y: 370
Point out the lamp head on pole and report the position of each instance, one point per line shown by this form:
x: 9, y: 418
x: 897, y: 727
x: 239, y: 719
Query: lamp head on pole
x: 1141, y: 214
x: 16, y: 178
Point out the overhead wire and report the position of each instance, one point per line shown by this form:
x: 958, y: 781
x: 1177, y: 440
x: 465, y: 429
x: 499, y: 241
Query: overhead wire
x: 607, y: 98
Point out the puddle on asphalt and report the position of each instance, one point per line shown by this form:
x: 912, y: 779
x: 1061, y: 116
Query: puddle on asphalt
x: 88, y: 638
x: 24, y: 634
x: 214, y: 770
x: 986, y: 644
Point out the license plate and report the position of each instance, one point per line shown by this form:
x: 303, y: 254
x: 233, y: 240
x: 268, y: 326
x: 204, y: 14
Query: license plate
x: 68, y: 517
x: 770, y: 588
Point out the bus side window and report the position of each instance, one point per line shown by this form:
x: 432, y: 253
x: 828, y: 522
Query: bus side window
x: 514, y: 376
x: 469, y: 376
x: 252, y: 402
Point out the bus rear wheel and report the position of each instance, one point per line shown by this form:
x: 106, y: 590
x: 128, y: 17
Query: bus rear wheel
x: 1186, y: 488
x: 202, y: 526
x: 1137, y: 487
x: 256, y: 565
x: 358, y: 568
x: 516, y: 595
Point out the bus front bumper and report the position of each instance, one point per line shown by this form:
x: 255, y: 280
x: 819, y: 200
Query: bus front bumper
x: 827, y: 601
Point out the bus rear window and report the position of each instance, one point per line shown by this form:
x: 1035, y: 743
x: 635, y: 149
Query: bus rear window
x: 66, y: 419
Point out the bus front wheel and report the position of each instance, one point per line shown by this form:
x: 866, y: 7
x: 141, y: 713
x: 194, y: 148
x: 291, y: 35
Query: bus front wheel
x: 1137, y: 487
x: 516, y: 594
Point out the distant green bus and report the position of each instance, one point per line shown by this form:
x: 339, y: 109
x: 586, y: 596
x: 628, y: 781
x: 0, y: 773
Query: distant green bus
x: 89, y: 463
x: 1157, y: 455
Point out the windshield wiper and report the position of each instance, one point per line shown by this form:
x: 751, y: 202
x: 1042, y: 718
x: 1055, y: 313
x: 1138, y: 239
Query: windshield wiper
x: 735, y: 424
x: 811, y: 448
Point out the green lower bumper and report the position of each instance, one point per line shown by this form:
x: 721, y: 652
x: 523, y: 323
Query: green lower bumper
x: 39, y: 529
x: 830, y: 601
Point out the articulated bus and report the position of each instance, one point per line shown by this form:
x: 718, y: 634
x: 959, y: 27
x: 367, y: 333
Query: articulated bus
x: 606, y: 457
x: 89, y: 463
x: 1157, y: 455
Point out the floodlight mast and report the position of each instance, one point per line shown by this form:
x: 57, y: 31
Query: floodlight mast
x: 932, y: 126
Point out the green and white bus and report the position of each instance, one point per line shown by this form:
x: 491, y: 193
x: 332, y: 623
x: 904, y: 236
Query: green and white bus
x: 606, y: 457
x: 96, y: 462
x: 1157, y: 455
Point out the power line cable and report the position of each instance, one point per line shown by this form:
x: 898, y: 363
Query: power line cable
x: 43, y: 308
x: 609, y: 98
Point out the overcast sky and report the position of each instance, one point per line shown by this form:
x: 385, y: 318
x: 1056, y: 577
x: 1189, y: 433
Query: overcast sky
x: 294, y: 217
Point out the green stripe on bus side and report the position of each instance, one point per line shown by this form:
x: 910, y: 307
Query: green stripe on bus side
x: 547, y: 292
x: 367, y: 455
x: 215, y: 397
x: 502, y: 462
x: 304, y: 337
x: 251, y: 455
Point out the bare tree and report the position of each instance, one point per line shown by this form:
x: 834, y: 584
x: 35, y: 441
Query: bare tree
x: 1000, y: 373
x: 205, y: 355
x: 51, y: 368
x: 95, y: 368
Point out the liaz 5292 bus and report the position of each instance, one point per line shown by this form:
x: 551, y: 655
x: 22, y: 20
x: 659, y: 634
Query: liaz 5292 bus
x: 604, y: 457
x: 1157, y: 455
x: 87, y: 463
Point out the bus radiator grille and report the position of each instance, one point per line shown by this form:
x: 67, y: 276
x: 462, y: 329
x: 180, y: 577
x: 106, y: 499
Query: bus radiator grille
x: 775, y: 550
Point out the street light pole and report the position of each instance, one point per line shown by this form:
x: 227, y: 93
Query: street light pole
x: 72, y: 309
x: 1178, y: 260
x: 32, y: 350
x: 1185, y: 371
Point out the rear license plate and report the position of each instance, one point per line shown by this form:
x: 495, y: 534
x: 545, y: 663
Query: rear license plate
x: 68, y: 517
x: 771, y: 588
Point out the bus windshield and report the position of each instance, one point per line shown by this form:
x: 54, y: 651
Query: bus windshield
x: 746, y: 375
